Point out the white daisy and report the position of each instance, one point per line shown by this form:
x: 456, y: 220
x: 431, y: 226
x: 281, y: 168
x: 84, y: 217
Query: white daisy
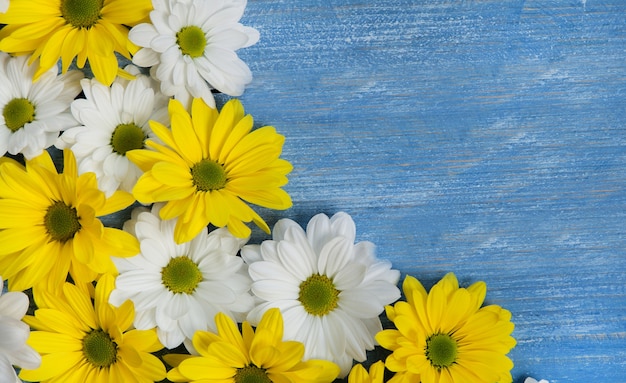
x: 533, y: 380
x: 191, y: 46
x: 13, y: 335
x: 180, y: 288
x: 114, y: 120
x: 329, y: 289
x: 33, y: 113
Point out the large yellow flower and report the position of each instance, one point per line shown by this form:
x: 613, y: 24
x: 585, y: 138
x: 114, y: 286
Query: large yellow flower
x: 48, y: 224
x: 90, y: 29
x: 358, y: 373
x: 81, y: 343
x: 210, y: 163
x: 249, y: 356
x: 445, y: 336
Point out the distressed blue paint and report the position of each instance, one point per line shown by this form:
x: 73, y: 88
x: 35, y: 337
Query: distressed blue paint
x: 481, y: 137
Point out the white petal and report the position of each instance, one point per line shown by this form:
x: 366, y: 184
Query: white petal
x: 342, y: 224
x: 14, y: 305
x: 335, y: 255
x: 293, y: 261
x: 274, y: 290
x: 142, y: 34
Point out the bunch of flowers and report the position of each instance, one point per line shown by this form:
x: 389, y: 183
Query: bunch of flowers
x: 179, y: 283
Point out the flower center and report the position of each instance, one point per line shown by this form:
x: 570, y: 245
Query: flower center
x: 81, y: 13
x: 127, y: 137
x: 208, y: 175
x: 61, y: 221
x: 251, y: 374
x: 17, y: 113
x: 99, y: 349
x: 441, y: 350
x: 181, y: 275
x: 318, y: 295
x: 191, y: 41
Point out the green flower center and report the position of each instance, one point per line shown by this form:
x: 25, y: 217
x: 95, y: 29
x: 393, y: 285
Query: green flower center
x: 251, y: 374
x: 181, y: 275
x: 61, y: 221
x: 208, y: 175
x: 127, y: 137
x: 318, y: 295
x: 81, y: 13
x: 99, y: 349
x: 191, y: 41
x: 17, y: 113
x: 441, y: 350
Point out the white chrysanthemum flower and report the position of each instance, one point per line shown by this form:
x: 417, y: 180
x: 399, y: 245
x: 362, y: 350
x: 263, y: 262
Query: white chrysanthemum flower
x: 533, y: 380
x: 114, y: 120
x: 33, y: 113
x: 180, y: 288
x: 329, y: 289
x: 191, y: 46
x: 13, y: 336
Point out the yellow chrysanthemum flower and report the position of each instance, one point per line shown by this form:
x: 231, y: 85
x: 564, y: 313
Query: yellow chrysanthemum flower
x: 249, y: 356
x: 359, y: 374
x: 210, y: 163
x: 48, y: 224
x: 445, y: 336
x: 90, y: 29
x: 81, y: 343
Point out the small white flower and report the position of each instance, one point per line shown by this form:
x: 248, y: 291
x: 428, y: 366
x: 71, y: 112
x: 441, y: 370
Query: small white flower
x: 33, y: 113
x: 180, y: 288
x: 114, y: 120
x: 13, y: 335
x: 329, y: 289
x: 191, y: 46
x: 533, y: 380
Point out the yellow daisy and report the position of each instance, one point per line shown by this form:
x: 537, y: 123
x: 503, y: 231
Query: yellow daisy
x: 210, y: 163
x: 359, y: 374
x: 445, y: 336
x: 81, y: 343
x: 90, y: 29
x: 48, y: 224
x: 249, y: 356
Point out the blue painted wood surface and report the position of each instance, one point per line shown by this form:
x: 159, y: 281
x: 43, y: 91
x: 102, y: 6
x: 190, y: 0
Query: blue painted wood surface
x: 484, y: 137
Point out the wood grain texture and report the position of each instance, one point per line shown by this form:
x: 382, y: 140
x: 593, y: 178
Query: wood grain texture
x: 484, y: 137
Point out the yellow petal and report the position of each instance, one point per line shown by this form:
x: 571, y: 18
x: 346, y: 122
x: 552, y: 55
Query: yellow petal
x: 229, y: 116
x: 184, y: 134
x: 49, y: 342
x: 52, y: 365
x: 80, y: 304
x: 203, y: 118
x: 229, y: 332
x: 116, y: 202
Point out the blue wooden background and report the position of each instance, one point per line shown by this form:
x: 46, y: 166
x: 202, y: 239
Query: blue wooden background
x: 483, y: 137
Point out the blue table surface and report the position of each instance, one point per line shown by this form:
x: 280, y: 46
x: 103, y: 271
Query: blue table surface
x: 482, y: 137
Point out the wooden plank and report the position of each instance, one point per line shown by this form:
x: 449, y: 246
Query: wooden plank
x: 481, y: 137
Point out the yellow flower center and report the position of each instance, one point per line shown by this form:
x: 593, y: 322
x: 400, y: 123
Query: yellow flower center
x: 81, y: 13
x: 127, y: 137
x: 318, y: 295
x: 17, y: 113
x: 441, y: 350
x: 191, y: 41
x: 181, y: 275
x: 99, y: 349
x: 61, y: 221
x: 208, y: 175
x: 251, y: 374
